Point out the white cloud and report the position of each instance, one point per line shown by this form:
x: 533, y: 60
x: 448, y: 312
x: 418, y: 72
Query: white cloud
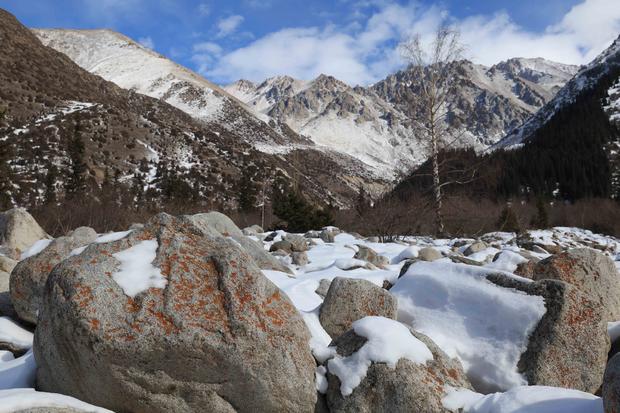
x: 229, y: 25
x: 366, y: 50
x: 204, y: 9
x: 147, y: 42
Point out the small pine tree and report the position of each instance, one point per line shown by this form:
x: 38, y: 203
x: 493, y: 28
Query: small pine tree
x: 508, y: 220
x: 290, y: 206
x: 76, y: 184
x: 6, y: 177
x: 247, y: 191
x: 49, y: 196
x: 541, y: 220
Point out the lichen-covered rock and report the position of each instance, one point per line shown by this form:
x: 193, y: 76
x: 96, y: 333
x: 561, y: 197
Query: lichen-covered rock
x: 429, y: 254
x: 327, y: 236
x: 18, y: 232
x: 298, y: 242
x: 29, y: 276
x: 216, y: 336
x: 368, y: 254
x: 611, y: 386
x: 569, y: 346
x: 323, y: 287
x: 526, y: 269
x: 410, y: 387
x: 348, y: 300
x: 218, y: 224
x: 299, y: 258
x: 282, y: 246
x: 591, y: 272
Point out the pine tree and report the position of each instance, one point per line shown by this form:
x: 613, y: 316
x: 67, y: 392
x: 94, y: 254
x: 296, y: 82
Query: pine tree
x: 49, y: 197
x: 76, y: 184
x: 247, y: 191
x: 541, y: 220
x: 508, y: 220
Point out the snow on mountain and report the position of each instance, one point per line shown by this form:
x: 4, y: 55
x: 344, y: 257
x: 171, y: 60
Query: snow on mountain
x: 612, y: 106
x: 586, y: 78
x: 132, y: 66
x: 372, y: 124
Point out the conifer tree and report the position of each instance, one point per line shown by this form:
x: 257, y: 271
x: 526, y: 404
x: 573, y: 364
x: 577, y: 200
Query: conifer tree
x: 76, y: 183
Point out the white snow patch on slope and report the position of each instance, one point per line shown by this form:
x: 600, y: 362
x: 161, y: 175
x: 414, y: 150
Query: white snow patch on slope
x: 36, y: 248
x: 466, y: 316
x: 388, y: 342
x: 137, y: 273
x: 18, y: 373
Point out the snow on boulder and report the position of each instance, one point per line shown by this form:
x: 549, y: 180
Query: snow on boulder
x: 29, y: 276
x: 32, y: 401
x: 368, y: 254
x: 216, y: 336
x: 349, y: 299
x: 18, y: 231
x: 569, y: 346
x: 14, y: 337
x: 483, y: 325
x: 591, y: 272
x: 524, y: 399
x: 611, y: 385
x: 19, y: 372
x: 382, y: 365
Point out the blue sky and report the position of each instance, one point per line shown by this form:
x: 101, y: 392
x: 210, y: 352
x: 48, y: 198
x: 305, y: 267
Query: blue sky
x: 354, y: 40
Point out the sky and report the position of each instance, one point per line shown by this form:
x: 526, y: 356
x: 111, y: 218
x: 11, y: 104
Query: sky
x: 354, y: 40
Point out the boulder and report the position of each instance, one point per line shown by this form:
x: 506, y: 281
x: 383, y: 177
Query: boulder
x: 591, y: 272
x: 406, y: 265
x: 373, y: 239
x: 18, y: 231
x: 368, y: 254
x: 218, y: 224
x: 312, y: 234
x: 298, y: 242
x: 407, y: 387
x: 327, y: 236
x: 526, y: 269
x: 349, y: 299
x: 299, y: 258
x: 476, y: 247
x: 429, y: 254
x: 271, y: 236
x: 30, y: 275
x: 459, y: 259
x: 206, y: 330
x: 7, y: 264
x: 283, y: 245
x: 569, y: 346
x: 323, y: 287
x: 611, y: 386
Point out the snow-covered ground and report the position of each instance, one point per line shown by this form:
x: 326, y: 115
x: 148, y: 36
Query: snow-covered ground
x: 451, y: 302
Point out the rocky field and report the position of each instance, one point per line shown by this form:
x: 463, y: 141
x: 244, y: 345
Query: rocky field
x: 191, y: 313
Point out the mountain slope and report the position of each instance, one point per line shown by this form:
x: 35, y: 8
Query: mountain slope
x: 372, y: 124
x: 47, y: 102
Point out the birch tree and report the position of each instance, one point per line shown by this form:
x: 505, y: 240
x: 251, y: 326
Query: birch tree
x: 435, y: 77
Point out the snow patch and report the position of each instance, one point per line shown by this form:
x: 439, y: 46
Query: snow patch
x: 137, y: 273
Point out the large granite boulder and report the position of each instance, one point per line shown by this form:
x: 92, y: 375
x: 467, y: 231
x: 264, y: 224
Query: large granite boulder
x: 591, y: 272
x: 18, y: 232
x: 169, y: 319
x: 368, y: 254
x: 29, y: 276
x: 429, y: 254
x: 349, y: 299
x: 569, y: 346
x: 406, y: 387
x: 218, y: 224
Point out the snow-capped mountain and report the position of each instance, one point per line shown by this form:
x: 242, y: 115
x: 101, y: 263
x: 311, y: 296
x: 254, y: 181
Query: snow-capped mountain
x: 587, y: 78
x: 130, y: 65
x: 372, y: 124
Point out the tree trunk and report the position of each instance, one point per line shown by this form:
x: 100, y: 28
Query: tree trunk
x: 439, y: 227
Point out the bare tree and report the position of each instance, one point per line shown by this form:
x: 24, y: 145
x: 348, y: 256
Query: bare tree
x: 436, y: 75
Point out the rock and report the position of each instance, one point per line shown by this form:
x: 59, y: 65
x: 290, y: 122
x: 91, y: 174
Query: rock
x: 327, y: 236
x: 281, y: 254
x: 18, y: 231
x: 283, y: 245
x: 217, y: 224
x: 591, y: 272
x: 373, y: 239
x: 30, y: 275
x: 7, y: 264
x: 52, y: 409
x: 429, y: 254
x: 349, y: 300
x: 405, y: 267
x: 526, y: 269
x: 410, y: 387
x: 298, y: 242
x: 611, y: 386
x: 254, y: 230
x: 312, y: 234
x: 476, y: 247
x: 371, y: 256
x: 323, y: 287
x: 271, y: 236
x: 218, y: 337
x: 569, y: 346
x: 356, y: 235
x: 459, y: 259
x: 300, y: 258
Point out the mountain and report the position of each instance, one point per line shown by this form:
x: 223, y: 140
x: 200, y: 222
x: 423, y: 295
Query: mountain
x: 587, y: 78
x: 50, y: 107
x: 372, y: 123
